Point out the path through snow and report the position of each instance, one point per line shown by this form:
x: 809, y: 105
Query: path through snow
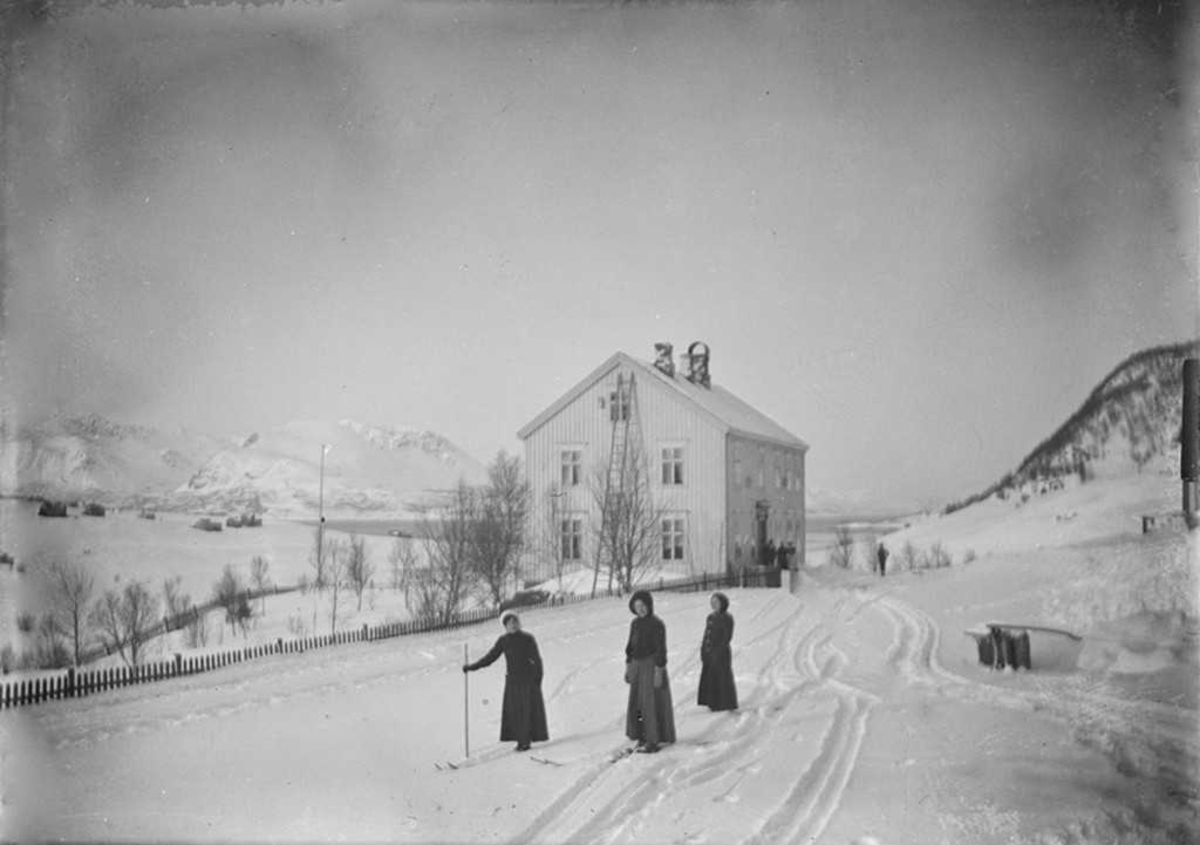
x: 852, y: 729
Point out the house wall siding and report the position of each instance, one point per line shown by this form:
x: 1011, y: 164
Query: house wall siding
x: 755, y: 469
x: 662, y: 419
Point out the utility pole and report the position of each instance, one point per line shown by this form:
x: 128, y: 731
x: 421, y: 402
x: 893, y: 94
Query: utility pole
x: 321, y: 510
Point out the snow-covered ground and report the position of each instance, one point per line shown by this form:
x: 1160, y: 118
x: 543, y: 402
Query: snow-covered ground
x: 865, y: 717
x: 121, y: 547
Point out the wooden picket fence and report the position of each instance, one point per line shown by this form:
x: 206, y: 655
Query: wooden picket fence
x: 75, y: 682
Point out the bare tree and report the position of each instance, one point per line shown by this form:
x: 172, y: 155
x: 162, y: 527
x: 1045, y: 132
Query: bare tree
x: 51, y: 652
x: 230, y: 593
x: 318, y: 560
x: 359, y: 569
x: 446, y: 528
x: 842, y: 552
x: 336, y: 565
x: 259, y: 569
x: 424, y: 598
x: 403, y: 560
x: 550, y: 537
x: 177, y: 602
x: 124, y: 619
x: 72, y: 587
x: 497, y: 531
x: 629, y: 534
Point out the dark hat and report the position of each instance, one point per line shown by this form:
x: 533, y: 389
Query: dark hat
x: 645, y: 596
x: 510, y: 615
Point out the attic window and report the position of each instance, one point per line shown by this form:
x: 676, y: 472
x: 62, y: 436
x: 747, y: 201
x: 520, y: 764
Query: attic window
x: 618, y: 405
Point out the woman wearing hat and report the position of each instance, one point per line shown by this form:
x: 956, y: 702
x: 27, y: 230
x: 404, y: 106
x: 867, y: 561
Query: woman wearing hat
x: 717, y: 689
x: 650, y: 713
x: 523, y: 719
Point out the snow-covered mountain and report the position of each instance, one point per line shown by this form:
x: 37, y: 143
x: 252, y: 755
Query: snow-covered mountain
x: 378, y: 470
x: 1128, y: 425
x: 95, y: 458
x: 368, y: 470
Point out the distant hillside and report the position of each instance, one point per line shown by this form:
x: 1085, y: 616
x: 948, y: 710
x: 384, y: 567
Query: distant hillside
x: 373, y: 470
x: 1130, y: 420
x: 90, y: 457
x: 369, y: 470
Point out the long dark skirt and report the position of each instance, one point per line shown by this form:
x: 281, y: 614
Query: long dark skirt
x: 650, y: 715
x: 524, y: 717
x: 717, y: 689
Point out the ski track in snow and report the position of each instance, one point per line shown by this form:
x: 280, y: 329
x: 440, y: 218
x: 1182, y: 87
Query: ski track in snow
x: 795, y: 665
x: 611, y: 802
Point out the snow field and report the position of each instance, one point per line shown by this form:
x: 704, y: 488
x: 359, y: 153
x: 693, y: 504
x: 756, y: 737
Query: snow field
x: 859, y: 722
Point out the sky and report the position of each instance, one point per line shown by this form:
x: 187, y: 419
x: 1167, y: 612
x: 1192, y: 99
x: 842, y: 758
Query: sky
x: 915, y: 234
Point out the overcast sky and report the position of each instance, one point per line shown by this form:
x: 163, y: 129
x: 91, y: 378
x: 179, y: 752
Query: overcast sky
x: 915, y: 234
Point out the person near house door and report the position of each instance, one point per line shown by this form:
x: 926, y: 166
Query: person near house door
x: 768, y: 558
x: 781, y: 556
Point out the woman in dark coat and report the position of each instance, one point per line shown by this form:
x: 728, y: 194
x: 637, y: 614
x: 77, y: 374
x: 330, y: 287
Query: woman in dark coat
x: 523, y: 718
x: 650, y: 714
x: 717, y: 689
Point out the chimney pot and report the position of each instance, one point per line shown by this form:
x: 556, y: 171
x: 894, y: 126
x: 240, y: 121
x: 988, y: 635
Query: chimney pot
x: 698, y: 364
x: 664, y: 359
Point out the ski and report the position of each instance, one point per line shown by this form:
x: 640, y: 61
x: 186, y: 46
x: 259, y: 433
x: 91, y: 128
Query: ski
x: 622, y: 752
x: 545, y: 761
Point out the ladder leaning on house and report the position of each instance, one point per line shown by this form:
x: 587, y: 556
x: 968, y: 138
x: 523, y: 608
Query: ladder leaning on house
x: 622, y: 472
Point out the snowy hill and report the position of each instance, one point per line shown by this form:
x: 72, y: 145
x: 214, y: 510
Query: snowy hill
x: 90, y: 457
x: 369, y: 469
x: 1128, y: 424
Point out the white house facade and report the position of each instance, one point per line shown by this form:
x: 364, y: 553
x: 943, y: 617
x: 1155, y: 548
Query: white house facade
x: 724, y: 478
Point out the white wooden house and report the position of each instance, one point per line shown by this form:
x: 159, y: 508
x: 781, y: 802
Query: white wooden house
x: 724, y: 476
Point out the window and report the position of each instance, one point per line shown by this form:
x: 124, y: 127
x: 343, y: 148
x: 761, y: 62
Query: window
x: 618, y: 403
x: 672, y: 465
x: 572, y: 467
x: 571, y: 537
x: 672, y: 539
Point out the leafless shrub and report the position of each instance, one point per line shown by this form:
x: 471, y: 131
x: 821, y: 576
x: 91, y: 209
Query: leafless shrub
x: 842, y: 552
x: 72, y: 587
x: 359, y: 569
x: 446, y: 531
x: 260, y: 577
x: 628, y: 536
x: 124, y: 619
x: 497, y: 528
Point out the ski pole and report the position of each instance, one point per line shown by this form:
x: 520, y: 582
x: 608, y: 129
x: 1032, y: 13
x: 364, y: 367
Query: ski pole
x: 466, y: 712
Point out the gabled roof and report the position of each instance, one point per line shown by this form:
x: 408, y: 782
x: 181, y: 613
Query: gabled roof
x: 731, y: 413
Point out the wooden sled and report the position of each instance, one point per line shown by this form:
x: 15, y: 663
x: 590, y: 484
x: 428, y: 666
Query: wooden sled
x: 1003, y: 645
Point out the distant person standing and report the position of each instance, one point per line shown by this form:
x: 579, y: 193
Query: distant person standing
x: 523, y: 718
x: 769, y: 553
x: 882, y: 555
x: 717, y: 689
x: 650, y: 713
x: 781, y: 556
